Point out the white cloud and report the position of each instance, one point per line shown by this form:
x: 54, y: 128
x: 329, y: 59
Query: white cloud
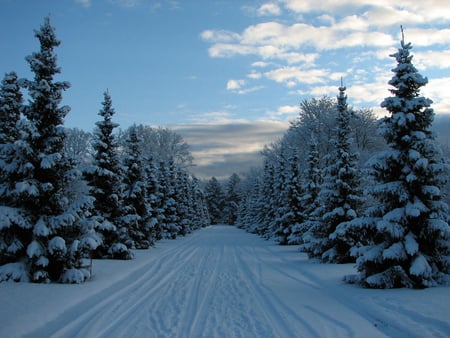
x: 84, y: 3
x: 235, y: 84
x: 288, y: 74
x: 269, y: 9
x: 254, y: 75
x: 432, y: 59
x: 260, y: 64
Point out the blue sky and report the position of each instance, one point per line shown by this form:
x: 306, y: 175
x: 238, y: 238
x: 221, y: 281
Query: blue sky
x: 197, y: 63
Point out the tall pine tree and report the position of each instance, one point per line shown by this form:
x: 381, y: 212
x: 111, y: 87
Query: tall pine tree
x: 136, y: 209
x: 407, y: 233
x: 104, y: 177
x: 56, y: 236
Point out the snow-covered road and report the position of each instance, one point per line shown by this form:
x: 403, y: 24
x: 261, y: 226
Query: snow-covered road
x: 220, y: 282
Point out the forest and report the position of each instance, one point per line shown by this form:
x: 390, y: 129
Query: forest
x: 341, y: 184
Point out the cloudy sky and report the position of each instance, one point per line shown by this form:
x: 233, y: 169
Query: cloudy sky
x: 228, y: 75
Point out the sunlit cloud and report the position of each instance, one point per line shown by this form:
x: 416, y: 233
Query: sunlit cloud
x: 220, y: 148
x: 269, y: 9
x: 235, y: 84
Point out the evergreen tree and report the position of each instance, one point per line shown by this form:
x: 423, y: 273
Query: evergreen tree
x: 407, y: 233
x: 200, y: 209
x: 170, y: 222
x: 267, y: 207
x: 153, y: 198
x: 184, y: 201
x: 338, y: 196
x: 288, y: 208
x: 14, y: 225
x: 232, y: 199
x: 136, y: 210
x: 309, y: 194
x: 215, y: 200
x: 56, y: 236
x: 11, y: 105
x: 104, y: 177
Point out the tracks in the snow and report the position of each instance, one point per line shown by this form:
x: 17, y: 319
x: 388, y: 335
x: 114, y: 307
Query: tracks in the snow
x: 222, y: 282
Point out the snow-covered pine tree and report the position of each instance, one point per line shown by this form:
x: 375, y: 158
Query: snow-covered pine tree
x: 348, y: 198
x: 249, y: 207
x: 135, y: 208
x: 338, y: 196
x: 153, y: 197
x: 214, y: 199
x: 289, y: 211
x: 309, y: 194
x: 267, y: 205
x: 11, y: 103
x: 183, y: 201
x: 170, y: 224
x: 407, y: 231
x: 200, y: 209
x: 58, y: 239
x: 14, y: 224
x: 232, y: 199
x: 104, y: 178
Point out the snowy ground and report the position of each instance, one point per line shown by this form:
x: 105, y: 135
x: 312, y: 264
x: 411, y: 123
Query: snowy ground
x: 220, y: 282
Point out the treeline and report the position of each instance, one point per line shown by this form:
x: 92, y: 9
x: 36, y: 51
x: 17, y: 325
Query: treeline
x: 348, y: 188
x: 67, y: 195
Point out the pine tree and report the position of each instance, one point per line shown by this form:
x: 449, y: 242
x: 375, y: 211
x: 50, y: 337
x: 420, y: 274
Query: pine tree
x: 184, y: 201
x: 232, y: 199
x: 56, y: 236
x: 153, y: 198
x: 201, y: 216
x: 348, y: 197
x: 289, y: 210
x: 309, y: 194
x: 104, y: 178
x: 214, y: 199
x: 169, y: 222
x: 11, y: 104
x: 14, y: 225
x: 136, y: 210
x: 407, y: 233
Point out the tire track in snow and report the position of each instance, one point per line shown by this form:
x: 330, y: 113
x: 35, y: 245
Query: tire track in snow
x: 292, y: 324
x: 104, y: 307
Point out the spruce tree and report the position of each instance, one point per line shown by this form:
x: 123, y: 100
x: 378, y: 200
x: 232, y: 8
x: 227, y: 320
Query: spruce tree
x: 309, y: 194
x: 201, y: 216
x: 346, y: 180
x: 407, y: 235
x: 104, y: 178
x: 153, y: 198
x: 58, y: 238
x: 215, y: 200
x: 14, y: 225
x: 232, y: 199
x: 136, y: 209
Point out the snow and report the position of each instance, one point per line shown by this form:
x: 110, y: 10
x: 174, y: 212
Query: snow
x: 220, y: 282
